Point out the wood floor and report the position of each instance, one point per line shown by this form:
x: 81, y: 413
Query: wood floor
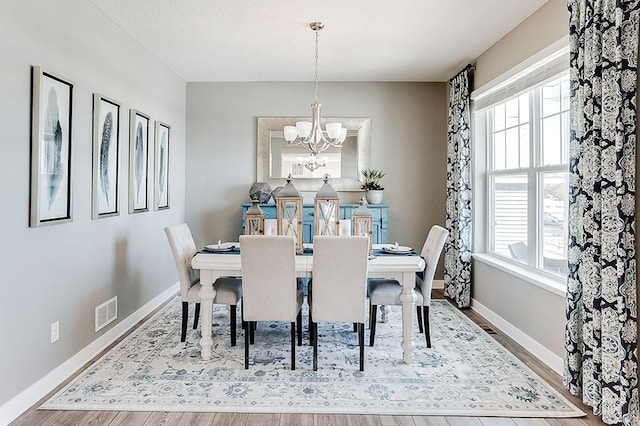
x: 113, y: 418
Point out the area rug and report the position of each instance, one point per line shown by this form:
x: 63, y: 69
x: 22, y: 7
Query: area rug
x: 465, y: 373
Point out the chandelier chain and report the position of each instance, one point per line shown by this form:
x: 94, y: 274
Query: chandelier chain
x: 316, y: 94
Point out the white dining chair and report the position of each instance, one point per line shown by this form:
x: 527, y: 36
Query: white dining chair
x: 387, y: 291
x: 339, y: 285
x: 269, y: 285
x: 228, y: 289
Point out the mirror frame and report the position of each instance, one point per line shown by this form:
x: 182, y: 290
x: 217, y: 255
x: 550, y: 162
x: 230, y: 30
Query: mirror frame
x: 263, y: 150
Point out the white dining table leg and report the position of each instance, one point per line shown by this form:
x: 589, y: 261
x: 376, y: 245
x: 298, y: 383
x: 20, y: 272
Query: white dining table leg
x: 206, y: 294
x: 408, y: 299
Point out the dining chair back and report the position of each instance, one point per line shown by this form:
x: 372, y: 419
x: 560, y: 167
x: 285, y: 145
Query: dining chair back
x: 269, y: 284
x: 228, y: 289
x: 338, y: 287
x: 387, y: 291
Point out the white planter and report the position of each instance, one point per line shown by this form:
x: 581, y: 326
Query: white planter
x: 374, y: 196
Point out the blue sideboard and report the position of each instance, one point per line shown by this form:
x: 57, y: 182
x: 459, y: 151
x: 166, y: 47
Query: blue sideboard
x: 378, y: 211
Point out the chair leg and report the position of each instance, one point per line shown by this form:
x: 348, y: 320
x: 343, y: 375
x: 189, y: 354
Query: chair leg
x: 246, y: 346
x: 361, y: 341
x: 299, y: 327
x: 311, y: 336
x: 293, y: 345
x: 419, y: 314
x: 427, y: 334
x: 232, y: 321
x: 196, y: 316
x: 372, y: 327
x: 252, y: 331
x: 310, y: 304
x: 185, y: 315
x: 314, y: 331
x: 355, y: 327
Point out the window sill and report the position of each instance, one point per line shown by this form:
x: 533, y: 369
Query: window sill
x: 555, y: 285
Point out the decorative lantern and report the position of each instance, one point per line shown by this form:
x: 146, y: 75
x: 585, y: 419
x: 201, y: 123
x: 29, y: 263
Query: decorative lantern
x: 363, y: 222
x: 326, y: 210
x: 254, y: 219
x: 289, y: 213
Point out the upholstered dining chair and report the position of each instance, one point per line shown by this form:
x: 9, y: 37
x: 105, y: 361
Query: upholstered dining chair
x: 269, y: 286
x: 339, y: 285
x: 228, y: 289
x: 387, y: 291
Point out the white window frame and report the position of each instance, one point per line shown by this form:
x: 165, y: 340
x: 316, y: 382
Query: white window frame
x: 546, y: 66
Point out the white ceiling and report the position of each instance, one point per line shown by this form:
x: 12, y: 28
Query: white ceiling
x: 363, y: 40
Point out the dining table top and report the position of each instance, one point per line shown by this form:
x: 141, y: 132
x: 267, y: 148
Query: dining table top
x: 230, y: 261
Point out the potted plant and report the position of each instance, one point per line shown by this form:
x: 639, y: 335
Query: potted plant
x: 371, y: 184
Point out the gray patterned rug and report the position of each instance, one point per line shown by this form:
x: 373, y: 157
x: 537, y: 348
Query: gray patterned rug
x: 465, y: 373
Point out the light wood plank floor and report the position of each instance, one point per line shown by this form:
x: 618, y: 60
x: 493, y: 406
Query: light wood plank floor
x: 114, y: 418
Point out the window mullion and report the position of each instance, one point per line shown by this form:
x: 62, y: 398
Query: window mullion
x: 534, y: 161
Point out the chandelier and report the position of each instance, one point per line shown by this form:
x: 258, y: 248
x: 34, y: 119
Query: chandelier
x: 313, y: 162
x: 309, y: 134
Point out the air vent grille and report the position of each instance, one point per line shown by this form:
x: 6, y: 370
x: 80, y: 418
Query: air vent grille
x: 106, y: 313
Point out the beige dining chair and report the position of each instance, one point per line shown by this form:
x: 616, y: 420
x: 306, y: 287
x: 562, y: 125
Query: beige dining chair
x: 339, y: 285
x: 269, y: 286
x: 228, y: 289
x: 387, y: 291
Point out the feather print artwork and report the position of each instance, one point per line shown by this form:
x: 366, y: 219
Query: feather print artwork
x: 52, y: 146
x: 104, y: 155
x: 162, y: 173
x: 139, y: 153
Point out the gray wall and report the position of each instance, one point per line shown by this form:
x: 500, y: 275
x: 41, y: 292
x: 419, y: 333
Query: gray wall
x: 61, y: 272
x: 535, y: 311
x: 408, y: 136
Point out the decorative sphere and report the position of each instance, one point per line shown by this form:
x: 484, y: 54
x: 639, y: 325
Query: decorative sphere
x: 260, y: 191
x: 275, y: 192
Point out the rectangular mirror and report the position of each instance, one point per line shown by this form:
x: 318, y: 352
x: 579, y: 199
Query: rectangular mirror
x: 276, y: 159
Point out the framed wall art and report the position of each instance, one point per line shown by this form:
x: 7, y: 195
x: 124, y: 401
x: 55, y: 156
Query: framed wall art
x: 106, y: 157
x: 51, y: 113
x: 138, y: 162
x: 161, y: 181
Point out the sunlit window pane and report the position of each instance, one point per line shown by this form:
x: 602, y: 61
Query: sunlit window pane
x: 498, y: 151
x: 498, y: 117
x: 566, y: 92
x: 512, y: 113
x: 554, y: 228
x: 551, y: 140
x: 565, y: 137
x: 510, y: 215
x: 524, y: 146
x: 524, y: 108
x: 550, y: 99
x: 513, y: 149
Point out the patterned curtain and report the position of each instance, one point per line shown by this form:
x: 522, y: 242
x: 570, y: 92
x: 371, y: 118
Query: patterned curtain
x: 457, y: 249
x: 601, y: 360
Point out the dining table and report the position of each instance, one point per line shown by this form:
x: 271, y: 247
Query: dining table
x: 401, y: 267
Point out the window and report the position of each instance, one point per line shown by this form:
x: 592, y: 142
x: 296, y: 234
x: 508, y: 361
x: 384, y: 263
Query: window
x: 527, y: 139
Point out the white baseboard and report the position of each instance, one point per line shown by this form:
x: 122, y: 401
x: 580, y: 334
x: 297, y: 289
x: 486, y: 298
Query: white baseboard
x: 25, y: 399
x: 439, y: 284
x: 543, y: 354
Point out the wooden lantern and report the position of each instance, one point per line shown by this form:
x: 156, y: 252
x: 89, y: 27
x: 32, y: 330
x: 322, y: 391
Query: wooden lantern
x: 363, y: 222
x: 254, y: 219
x: 289, y: 213
x: 326, y: 210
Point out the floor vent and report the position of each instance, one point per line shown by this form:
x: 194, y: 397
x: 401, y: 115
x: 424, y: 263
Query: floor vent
x: 106, y: 313
x: 489, y: 329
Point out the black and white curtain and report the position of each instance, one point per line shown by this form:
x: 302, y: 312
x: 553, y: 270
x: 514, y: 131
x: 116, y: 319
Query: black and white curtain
x: 457, y: 249
x: 601, y: 359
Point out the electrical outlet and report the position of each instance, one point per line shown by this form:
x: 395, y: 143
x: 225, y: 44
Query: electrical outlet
x: 55, y: 331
